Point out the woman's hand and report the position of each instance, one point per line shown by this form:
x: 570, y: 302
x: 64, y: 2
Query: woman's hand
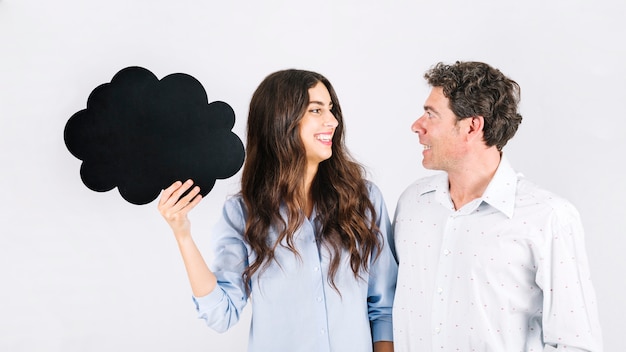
x: 174, y: 209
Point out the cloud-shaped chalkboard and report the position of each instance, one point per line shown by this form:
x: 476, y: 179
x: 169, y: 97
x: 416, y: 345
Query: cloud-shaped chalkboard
x: 140, y: 134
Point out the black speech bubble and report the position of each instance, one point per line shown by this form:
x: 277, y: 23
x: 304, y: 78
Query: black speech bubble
x: 140, y: 134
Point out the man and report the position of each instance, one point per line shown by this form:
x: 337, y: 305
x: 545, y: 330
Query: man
x: 488, y: 261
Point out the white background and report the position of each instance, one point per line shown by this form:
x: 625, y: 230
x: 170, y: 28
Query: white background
x: 87, y: 271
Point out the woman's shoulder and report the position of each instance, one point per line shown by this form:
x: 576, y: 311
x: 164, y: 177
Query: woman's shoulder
x: 371, y: 186
x: 374, y: 191
x: 234, y: 205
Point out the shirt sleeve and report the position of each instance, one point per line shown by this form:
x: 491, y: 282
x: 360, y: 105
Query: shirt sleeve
x: 383, y: 274
x: 570, y: 316
x: 222, y: 307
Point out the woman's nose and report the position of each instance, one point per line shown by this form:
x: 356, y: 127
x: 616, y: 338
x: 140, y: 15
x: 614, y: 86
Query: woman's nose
x: 331, y: 120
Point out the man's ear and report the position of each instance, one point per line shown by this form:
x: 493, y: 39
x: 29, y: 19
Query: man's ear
x: 475, y: 126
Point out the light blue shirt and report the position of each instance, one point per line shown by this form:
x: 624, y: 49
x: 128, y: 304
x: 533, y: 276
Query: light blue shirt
x: 294, y: 308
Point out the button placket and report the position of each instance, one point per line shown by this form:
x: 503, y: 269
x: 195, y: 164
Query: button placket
x: 443, y: 271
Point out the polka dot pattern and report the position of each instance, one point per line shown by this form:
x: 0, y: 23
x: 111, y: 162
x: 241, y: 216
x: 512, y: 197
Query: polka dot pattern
x: 506, y: 272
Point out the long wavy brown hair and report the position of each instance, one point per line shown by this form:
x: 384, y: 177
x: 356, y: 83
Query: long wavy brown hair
x: 273, y: 176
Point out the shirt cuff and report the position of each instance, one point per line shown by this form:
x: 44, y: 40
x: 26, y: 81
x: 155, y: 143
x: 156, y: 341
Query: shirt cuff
x: 209, y: 301
x: 382, y: 330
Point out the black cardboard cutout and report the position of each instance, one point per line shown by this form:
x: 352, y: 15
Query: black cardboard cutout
x: 140, y: 134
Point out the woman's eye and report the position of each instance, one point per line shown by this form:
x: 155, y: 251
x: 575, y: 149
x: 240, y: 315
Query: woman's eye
x: 315, y: 111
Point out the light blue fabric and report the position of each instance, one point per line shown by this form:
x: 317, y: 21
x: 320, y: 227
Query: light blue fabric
x: 294, y: 308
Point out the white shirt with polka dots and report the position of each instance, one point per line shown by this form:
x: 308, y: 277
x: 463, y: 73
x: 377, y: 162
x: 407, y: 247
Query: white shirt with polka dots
x: 507, y: 272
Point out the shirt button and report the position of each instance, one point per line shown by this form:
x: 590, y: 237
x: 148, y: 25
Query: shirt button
x: 323, y: 331
x: 437, y: 330
x: 319, y: 299
x: 439, y: 290
x: 316, y: 268
x: 446, y: 252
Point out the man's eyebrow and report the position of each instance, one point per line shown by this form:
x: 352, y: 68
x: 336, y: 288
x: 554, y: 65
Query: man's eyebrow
x: 428, y: 107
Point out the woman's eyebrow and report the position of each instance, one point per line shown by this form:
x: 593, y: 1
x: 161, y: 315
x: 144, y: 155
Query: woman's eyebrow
x: 320, y: 103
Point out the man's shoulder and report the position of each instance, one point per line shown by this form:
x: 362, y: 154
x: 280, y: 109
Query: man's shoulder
x: 530, y: 193
x: 426, y: 184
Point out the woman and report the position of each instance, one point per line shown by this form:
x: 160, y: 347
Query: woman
x: 306, y: 239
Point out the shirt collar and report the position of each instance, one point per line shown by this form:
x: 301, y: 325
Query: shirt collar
x: 500, y: 192
x: 440, y: 186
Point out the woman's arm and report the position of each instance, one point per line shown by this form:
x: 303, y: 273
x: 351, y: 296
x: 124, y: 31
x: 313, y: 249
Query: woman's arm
x: 174, y: 211
x: 383, y: 346
x: 383, y: 274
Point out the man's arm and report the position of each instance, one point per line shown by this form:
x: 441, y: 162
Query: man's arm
x: 570, y: 313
